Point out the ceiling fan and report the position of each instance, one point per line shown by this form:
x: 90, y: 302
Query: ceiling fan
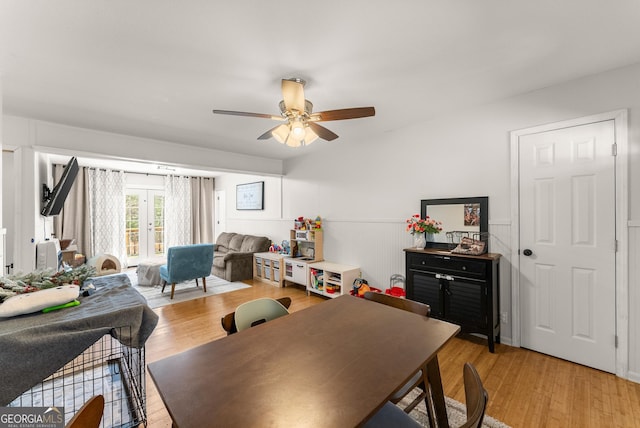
x: 301, y: 127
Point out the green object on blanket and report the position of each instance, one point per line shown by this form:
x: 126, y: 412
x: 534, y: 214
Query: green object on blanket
x: 66, y: 305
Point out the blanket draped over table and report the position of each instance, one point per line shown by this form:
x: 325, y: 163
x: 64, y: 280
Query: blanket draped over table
x: 34, y: 346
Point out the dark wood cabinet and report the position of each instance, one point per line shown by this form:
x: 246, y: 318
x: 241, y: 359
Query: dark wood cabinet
x: 461, y: 289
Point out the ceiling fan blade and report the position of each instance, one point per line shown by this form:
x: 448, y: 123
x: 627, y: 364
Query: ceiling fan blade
x: 345, y: 113
x: 293, y: 95
x: 322, y: 132
x: 244, y: 113
x: 279, y: 130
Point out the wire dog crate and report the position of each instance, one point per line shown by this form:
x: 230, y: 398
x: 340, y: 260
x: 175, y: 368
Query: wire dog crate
x: 108, y: 368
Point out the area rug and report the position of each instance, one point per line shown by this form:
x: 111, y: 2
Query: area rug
x: 456, y: 412
x: 184, y: 291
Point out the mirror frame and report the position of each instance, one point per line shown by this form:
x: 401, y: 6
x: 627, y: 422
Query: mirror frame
x: 484, y: 213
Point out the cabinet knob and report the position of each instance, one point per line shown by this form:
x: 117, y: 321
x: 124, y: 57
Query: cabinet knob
x: 527, y: 252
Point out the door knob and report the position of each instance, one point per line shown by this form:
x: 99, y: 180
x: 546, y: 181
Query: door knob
x: 527, y: 252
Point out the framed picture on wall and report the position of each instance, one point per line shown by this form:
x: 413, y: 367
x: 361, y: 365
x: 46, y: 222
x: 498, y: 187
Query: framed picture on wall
x: 250, y: 196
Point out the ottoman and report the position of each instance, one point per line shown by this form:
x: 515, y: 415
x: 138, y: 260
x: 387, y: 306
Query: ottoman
x: 149, y: 271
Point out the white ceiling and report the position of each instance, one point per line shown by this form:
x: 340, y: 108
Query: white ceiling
x: 156, y: 68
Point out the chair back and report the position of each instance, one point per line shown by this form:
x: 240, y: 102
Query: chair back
x: 257, y: 312
x: 476, y: 397
x: 399, y: 303
x: 187, y: 262
x: 229, y: 321
x: 89, y: 415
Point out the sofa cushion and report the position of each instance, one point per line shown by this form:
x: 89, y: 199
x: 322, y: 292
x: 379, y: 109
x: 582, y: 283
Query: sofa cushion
x: 222, y: 243
x: 253, y: 244
x: 235, y: 244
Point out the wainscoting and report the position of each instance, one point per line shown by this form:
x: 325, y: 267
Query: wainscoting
x: 376, y: 246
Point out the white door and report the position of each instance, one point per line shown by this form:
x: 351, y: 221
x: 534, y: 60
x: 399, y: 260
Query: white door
x: 220, y: 213
x: 145, y: 225
x: 567, y: 243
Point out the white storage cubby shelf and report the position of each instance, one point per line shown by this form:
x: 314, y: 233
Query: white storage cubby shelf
x: 267, y: 267
x: 331, y: 279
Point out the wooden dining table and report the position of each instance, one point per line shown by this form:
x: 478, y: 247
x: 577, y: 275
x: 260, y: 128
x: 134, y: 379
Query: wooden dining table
x: 333, y: 364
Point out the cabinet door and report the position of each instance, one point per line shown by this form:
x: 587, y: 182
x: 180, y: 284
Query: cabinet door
x: 426, y: 289
x: 465, y: 302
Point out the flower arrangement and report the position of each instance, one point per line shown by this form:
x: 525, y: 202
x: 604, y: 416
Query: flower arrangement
x: 415, y: 224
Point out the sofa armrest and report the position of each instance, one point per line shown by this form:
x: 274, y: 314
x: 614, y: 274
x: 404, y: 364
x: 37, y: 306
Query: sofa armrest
x: 233, y: 255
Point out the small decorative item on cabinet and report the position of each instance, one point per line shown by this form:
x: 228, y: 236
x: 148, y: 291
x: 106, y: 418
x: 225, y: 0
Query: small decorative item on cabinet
x: 418, y: 227
x: 419, y: 240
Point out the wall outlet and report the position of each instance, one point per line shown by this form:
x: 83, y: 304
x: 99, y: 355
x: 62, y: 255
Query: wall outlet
x: 504, y: 317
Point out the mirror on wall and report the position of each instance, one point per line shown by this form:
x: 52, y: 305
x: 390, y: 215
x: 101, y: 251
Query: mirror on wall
x: 464, y: 215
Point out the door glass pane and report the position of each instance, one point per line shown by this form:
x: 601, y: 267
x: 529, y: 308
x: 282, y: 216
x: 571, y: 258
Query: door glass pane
x: 158, y: 223
x: 132, y: 232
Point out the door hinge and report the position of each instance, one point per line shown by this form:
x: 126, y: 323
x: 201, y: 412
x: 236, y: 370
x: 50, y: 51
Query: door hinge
x: 614, y: 149
x: 615, y: 245
x: 615, y: 339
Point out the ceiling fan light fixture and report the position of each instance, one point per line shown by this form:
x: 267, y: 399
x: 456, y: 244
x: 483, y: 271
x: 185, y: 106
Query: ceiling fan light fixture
x: 281, y: 133
x: 297, y: 128
x: 293, y: 141
x: 301, y: 127
x: 309, y: 136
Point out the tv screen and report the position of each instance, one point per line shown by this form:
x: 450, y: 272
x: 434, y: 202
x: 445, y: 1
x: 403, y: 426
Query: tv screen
x: 54, y: 199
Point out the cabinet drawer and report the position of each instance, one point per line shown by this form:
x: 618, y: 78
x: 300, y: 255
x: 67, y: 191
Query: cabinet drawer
x: 457, y: 266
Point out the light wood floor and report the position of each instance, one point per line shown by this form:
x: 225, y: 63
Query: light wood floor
x: 526, y: 389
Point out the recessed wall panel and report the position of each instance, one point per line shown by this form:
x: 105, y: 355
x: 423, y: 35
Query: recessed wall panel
x: 543, y: 284
x: 584, y: 150
x: 583, y: 210
x: 583, y: 307
x: 544, y: 209
x: 544, y: 155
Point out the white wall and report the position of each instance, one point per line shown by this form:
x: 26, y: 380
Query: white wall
x: 365, y: 188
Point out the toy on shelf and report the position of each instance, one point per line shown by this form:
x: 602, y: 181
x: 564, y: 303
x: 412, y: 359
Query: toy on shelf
x: 275, y: 248
x: 286, y: 247
x: 302, y: 223
x: 396, y: 286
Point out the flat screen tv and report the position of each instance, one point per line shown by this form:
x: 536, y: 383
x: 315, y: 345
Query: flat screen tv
x: 54, y: 199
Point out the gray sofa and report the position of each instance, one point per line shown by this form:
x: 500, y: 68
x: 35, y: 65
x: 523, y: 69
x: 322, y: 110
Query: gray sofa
x: 233, y: 256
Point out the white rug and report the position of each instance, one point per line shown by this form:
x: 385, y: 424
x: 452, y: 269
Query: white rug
x: 456, y: 412
x: 184, y: 290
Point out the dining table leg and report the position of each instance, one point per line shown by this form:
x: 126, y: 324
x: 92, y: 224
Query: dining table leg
x: 437, y: 392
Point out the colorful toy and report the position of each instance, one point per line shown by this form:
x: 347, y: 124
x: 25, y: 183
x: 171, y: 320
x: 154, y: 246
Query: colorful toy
x: 396, y: 286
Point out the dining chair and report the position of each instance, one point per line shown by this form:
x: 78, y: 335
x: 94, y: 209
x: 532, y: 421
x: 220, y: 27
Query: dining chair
x: 391, y: 415
x: 89, y: 415
x: 258, y: 311
x: 229, y: 321
x: 476, y: 397
x: 419, y: 379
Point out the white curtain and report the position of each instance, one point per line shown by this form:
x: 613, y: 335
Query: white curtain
x: 177, y: 211
x: 107, y: 213
x: 202, y: 190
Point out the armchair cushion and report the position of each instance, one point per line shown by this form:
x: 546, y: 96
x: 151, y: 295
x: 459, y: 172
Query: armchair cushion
x: 187, y: 262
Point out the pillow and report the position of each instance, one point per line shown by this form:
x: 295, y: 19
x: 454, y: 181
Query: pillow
x: 36, y: 301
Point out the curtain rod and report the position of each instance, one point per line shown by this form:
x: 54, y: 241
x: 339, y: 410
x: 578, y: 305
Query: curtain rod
x: 147, y: 173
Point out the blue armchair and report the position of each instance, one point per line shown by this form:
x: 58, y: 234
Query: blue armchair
x: 185, y: 263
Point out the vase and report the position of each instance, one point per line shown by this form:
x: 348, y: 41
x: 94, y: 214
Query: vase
x: 420, y: 240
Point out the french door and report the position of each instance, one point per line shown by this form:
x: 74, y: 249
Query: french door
x: 144, y: 235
